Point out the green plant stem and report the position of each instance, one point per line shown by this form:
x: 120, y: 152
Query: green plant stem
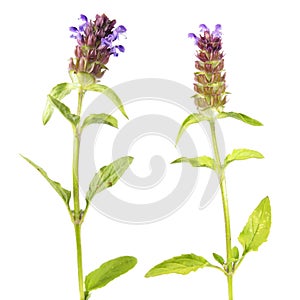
x: 79, y: 259
x: 77, y: 218
x: 222, y: 181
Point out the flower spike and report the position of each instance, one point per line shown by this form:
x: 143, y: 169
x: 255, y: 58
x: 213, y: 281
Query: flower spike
x: 210, y: 84
x: 95, y: 44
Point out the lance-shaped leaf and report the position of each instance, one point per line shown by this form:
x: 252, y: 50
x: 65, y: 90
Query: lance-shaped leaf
x: 108, y: 272
x: 63, y: 193
x: 109, y: 93
x: 240, y: 117
x: 191, y: 119
x: 241, y: 154
x: 58, y: 92
x: 65, y: 111
x: 202, y: 161
x: 257, y: 229
x: 182, y: 264
x: 108, y: 176
x: 98, y: 119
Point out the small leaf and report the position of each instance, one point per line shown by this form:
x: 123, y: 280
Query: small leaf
x: 48, y: 111
x: 58, y: 92
x: 202, y: 161
x: 191, y: 119
x: 63, y: 193
x: 219, y: 258
x: 109, y: 93
x: 257, y: 228
x: 65, y: 111
x: 82, y: 79
x: 98, y: 119
x: 108, y: 176
x: 240, y: 117
x: 183, y: 265
x: 242, y: 154
x: 108, y: 272
x: 235, y: 253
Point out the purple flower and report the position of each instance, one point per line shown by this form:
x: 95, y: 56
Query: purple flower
x: 210, y: 84
x: 203, y: 28
x: 80, y: 29
x: 217, y: 32
x: 108, y: 41
x: 96, y: 42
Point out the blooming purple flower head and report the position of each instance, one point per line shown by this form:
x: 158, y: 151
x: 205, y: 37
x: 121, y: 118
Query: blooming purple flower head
x: 210, y: 82
x: 96, y: 42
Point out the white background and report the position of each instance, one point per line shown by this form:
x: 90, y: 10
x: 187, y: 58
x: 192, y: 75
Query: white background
x: 262, y: 64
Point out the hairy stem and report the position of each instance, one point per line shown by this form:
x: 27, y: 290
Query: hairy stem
x: 77, y: 219
x: 222, y: 181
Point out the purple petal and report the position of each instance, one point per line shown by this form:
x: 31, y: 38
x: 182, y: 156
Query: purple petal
x: 192, y: 35
x: 83, y: 18
x: 82, y: 27
x: 106, y: 42
x: 217, y: 32
x: 203, y: 28
x: 121, y: 48
x: 218, y: 27
x: 114, y: 51
x: 114, y: 35
x: 73, y: 29
x: 121, y: 29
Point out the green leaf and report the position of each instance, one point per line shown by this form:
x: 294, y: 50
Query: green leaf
x: 183, y: 265
x: 63, y: 193
x: 191, y: 119
x: 202, y: 161
x: 219, y: 258
x: 109, y: 93
x: 58, y: 92
x: 108, y: 176
x: 48, y: 111
x: 108, y: 272
x: 65, y: 111
x: 235, y: 253
x: 82, y: 79
x: 100, y: 118
x: 257, y: 229
x: 240, y: 117
x: 242, y: 154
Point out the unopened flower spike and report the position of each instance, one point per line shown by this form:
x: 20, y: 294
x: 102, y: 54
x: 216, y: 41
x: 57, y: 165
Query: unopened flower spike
x: 210, y: 84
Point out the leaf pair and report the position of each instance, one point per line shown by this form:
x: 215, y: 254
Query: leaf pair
x: 208, y: 162
x: 105, y: 178
x: 254, y: 234
x: 197, y: 118
x: 83, y: 82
